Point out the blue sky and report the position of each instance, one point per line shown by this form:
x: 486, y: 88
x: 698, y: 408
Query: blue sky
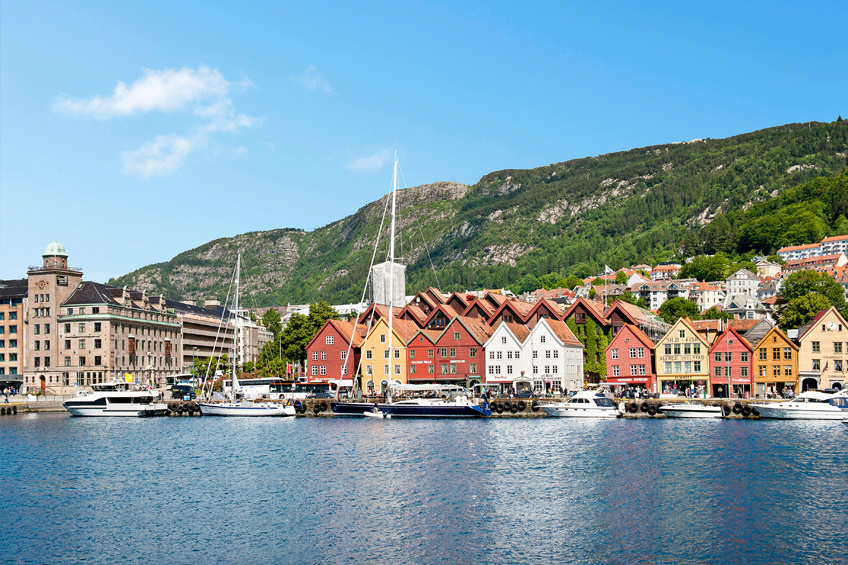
x: 131, y: 132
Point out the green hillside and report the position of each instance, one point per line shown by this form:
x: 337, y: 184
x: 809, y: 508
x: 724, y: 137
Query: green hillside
x: 747, y: 193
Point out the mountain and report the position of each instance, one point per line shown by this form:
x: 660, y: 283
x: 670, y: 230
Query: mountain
x: 644, y: 205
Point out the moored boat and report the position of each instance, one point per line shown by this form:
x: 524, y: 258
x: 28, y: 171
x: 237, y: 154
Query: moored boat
x: 691, y: 411
x: 809, y: 405
x: 114, y: 399
x: 434, y: 401
x: 584, y: 404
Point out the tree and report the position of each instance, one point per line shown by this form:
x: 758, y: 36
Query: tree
x: 548, y: 281
x: 706, y: 268
x: 598, y: 281
x: 803, y: 309
x: 621, y: 278
x: 571, y: 281
x: 630, y: 298
x: 804, y: 282
x: 716, y: 314
x: 676, y: 308
x: 273, y: 321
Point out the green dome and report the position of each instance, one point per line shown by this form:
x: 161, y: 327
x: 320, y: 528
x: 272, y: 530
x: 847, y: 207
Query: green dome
x: 55, y: 249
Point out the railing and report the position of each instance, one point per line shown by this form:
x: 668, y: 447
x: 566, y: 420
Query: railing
x: 43, y: 268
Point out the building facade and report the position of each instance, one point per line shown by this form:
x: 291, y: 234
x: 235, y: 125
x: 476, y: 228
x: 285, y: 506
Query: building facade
x: 13, y: 309
x: 730, y: 366
x: 775, y: 364
x: 630, y: 359
x: 682, y: 360
x: 823, y: 351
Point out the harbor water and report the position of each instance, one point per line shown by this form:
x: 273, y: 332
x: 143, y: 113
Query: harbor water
x: 333, y: 490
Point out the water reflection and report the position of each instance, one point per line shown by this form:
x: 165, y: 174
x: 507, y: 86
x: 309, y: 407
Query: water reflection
x: 377, y: 491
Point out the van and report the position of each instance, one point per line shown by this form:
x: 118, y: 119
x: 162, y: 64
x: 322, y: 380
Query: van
x: 183, y: 391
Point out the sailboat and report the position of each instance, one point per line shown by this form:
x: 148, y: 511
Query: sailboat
x: 235, y: 407
x: 369, y: 408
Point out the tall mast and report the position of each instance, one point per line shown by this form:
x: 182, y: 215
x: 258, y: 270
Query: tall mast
x: 392, y: 279
x: 235, y: 327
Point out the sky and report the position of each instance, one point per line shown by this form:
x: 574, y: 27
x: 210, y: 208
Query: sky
x: 133, y: 131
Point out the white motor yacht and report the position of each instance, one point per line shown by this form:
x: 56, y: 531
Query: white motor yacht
x: 584, y: 404
x: 691, y: 411
x: 809, y: 405
x: 114, y: 399
x: 246, y: 408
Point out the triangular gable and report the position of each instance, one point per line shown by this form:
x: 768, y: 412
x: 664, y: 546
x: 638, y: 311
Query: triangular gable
x: 478, y: 329
x: 509, y: 308
x: 733, y: 334
x: 560, y: 331
x: 592, y: 308
x: 380, y: 311
x: 802, y: 331
x: 686, y: 322
x: 519, y: 332
x: 458, y: 301
x: 436, y: 295
x: 479, y: 309
x: 782, y: 337
x: 442, y: 311
x: 551, y: 308
x: 632, y: 329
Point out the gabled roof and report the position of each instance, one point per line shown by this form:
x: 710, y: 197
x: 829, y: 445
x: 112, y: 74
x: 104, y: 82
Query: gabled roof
x: 444, y: 309
x: 593, y: 307
x: 518, y: 308
x: 734, y: 333
x: 638, y: 333
x: 436, y: 294
x: 403, y: 329
x: 519, y: 331
x: 345, y: 330
x: 632, y: 312
x: 381, y: 312
x: 546, y: 304
x: 685, y: 321
x: 485, y: 308
x: 806, y: 327
x: 778, y: 331
x: 430, y: 335
x: 478, y: 329
x: 561, y: 330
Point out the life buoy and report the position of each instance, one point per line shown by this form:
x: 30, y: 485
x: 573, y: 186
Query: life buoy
x: 737, y: 408
x: 652, y: 410
x: 633, y: 408
x: 522, y: 406
x: 535, y: 406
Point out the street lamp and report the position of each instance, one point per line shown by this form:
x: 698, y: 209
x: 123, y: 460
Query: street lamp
x: 728, y: 343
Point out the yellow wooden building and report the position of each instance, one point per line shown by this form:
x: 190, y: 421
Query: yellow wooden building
x: 775, y: 364
x: 376, y: 371
x: 682, y: 360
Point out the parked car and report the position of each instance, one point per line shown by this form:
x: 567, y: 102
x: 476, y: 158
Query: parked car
x: 183, y: 392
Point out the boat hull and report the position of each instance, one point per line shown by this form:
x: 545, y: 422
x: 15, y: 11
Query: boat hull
x: 423, y: 411
x: 791, y: 413
x: 692, y: 411
x: 351, y: 408
x: 137, y: 410
x: 246, y: 410
x: 574, y: 412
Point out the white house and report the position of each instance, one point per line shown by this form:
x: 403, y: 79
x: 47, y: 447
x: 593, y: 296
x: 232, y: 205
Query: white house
x: 505, y: 360
x: 744, y: 282
x: 557, y: 357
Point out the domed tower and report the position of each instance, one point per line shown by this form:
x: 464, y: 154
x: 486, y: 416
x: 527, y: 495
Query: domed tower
x: 55, y: 256
x: 48, y: 286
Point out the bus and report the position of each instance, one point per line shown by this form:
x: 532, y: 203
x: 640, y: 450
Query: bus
x: 276, y: 389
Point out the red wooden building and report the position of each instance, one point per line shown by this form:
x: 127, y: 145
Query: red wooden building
x: 630, y: 359
x: 731, y: 359
x: 330, y: 355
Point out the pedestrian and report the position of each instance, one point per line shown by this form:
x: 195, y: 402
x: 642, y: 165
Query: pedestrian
x: 6, y: 394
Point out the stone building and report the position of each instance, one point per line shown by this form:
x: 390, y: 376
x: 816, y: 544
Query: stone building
x: 13, y: 307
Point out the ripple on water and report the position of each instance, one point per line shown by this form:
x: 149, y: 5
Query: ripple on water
x: 377, y: 491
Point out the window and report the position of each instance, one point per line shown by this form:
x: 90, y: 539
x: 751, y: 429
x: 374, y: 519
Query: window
x: 472, y: 368
x: 509, y: 354
x: 509, y: 370
x: 787, y: 353
x: 743, y: 372
x: 615, y: 371
x: 431, y: 369
x: 397, y: 353
x: 787, y: 370
x: 67, y: 344
x: 443, y: 352
x: 642, y: 370
x: 744, y: 356
x: 696, y: 366
x: 412, y: 369
x: 633, y: 353
x: 444, y: 368
x: 580, y: 317
x: 2, y: 343
x: 668, y: 349
x: 687, y: 366
x: 47, y: 328
x: 775, y: 353
x: 67, y: 361
x: 369, y: 370
x: 36, y: 329
x: 633, y: 370
x: 667, y: 367
x: 728, y: 357
x: 97, y: 360
x: 682, y: 334
x: 472, y: 352
x: 382, y: 338
x: 13, y: 356
x: 776, y: 371
x: 499, y: 355
x: 677, y: 349
x: 95, y: 310
x: 314, y: 355
x: 323, y: 356
x: 36, y: 345
x: 547, y: 354
x: 67, y: 328
x: 837, y: 347
x: 641, y: 353
x: 717, y: 371
x: 717, y: 357
x: 535, y: 354
x: 696, y: 349
x: 542, y: 339
x: 456, y: 335
x: 343, y: 354
x: 763, y: 354
x: 330, y: 340
x: 452, y: 369
x: 412, y: 354
x: 687, y: 348
x: 82, y: 327
x: 386, y: 354
x: 97, y: 326
x: 315, y: 370
x: 453, y: 351
x: 368, y: 354
x: 816, y: 347
x: 430, y: 353
x: 323, y: 370
x: 82, y: 344
x: 46, y: 345
x: 97, y: 343
x: 82, y: 361
x: 517, y: 354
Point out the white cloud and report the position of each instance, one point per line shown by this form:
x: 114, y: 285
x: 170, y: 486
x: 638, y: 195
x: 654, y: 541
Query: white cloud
x: 167, y: 91
x: 311, y: 79
x: 204, y: 92
x: 371, y: 163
